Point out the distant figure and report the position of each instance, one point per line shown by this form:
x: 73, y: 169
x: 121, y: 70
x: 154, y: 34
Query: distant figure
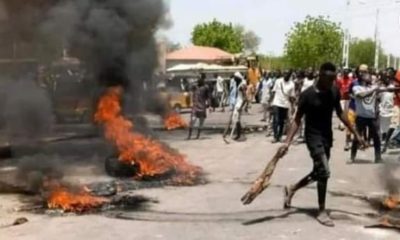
x: 284, y: 96
x: 266, y: 87
x: 232, y: 93
x: 201, y: 99
x: 239, y: 104
x: 221, y: 93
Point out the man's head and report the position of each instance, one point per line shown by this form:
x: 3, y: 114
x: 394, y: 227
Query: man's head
x: 287, y: 74
x: 310, y: 73
x: 327, y: 76
x: 346, y: 73
x: 238, y: 77
x: 366, y: 78
x: 390, y: 73
x: 202, y: 79
x: 301, y: 74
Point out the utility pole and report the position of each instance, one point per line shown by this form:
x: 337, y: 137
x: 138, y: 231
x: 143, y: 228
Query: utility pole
x: 377, y: 43
x: 388, y: 60
x: 346, y: 38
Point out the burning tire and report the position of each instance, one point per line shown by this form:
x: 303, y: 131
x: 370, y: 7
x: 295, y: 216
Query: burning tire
x: 115, y: 168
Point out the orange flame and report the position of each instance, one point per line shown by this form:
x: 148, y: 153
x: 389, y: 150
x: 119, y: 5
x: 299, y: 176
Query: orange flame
x: 174, y: 121
x: 69, y: 201
x: 152, y: 157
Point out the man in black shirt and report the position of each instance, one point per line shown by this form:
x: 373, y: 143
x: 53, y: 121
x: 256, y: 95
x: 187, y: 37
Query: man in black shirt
x: 317, y: 104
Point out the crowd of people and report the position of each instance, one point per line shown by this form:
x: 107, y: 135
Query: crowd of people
x: 369, y: 98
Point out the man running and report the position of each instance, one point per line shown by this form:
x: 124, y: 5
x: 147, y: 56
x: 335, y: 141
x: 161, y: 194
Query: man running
x: 317, y: 104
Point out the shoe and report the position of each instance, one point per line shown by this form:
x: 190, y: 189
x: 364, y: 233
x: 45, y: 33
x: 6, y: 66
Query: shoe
x: 346, y: 148
x: 275, y: 141
x: 324, y: 218
x: 263, y: 120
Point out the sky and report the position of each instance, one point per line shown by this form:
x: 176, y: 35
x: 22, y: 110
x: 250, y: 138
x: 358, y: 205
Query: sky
x: 272, y: 19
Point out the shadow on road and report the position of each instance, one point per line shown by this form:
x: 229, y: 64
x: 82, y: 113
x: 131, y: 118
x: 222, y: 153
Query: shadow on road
x: 336, y: 214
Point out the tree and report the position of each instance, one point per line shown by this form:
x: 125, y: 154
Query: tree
x: 314, y: 41
x: 251, y: 41
x: 273, y: 62
x: 362, y: 51
x: 219, y: 35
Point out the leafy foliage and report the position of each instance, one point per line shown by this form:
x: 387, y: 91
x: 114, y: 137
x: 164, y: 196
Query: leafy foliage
x: 314, y: 41
x: 362, y: 51
x: 219, y: 35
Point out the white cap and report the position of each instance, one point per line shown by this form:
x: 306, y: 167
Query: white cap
x: 238, y: 75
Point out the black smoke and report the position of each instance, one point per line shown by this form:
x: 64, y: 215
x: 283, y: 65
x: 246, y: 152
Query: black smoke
x: 115, y: 39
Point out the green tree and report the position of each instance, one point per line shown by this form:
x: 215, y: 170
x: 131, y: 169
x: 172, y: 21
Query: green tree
x: 362, y: 51
x: 219, y: 35
x: 251, y: 41
x: 273, y: 62
x: 314, y: 41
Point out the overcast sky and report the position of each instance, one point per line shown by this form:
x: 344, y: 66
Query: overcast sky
x: 272, y: 19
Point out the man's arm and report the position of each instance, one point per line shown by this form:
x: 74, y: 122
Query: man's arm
x: 361, y: 93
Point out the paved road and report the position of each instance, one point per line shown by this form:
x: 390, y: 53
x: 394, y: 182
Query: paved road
x: 214, y: 210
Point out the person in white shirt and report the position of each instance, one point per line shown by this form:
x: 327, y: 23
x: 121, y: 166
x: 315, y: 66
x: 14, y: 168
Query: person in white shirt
x: 221, y: 93
x: 284, y: 96
x: 239, y: 104
x: 266, y: 87
x: 386, y: 107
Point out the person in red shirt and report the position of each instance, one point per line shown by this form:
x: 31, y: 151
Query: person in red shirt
x: 343, y: 84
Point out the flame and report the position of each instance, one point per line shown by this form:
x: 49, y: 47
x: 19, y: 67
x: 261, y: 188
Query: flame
x: 152, y: 157
x: 392, y: 201
x: 173, y: 121
x: 69, y: 201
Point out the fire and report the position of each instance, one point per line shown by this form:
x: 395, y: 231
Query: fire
x: 174, y: 121
x: 69, y: 201
x: 392, y: 201
x: 152, y: 157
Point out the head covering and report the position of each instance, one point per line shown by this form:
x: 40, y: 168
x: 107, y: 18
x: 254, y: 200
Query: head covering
x: 363, y: 67
x: 238, y: 75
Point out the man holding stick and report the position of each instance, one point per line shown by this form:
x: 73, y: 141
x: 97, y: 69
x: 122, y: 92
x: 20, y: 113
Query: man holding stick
x: 317, y: 104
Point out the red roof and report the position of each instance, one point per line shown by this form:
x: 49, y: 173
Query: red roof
x: 199, y: 53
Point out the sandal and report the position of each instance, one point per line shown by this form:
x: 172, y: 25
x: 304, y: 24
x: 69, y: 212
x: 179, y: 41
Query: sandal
x: 325, y: 219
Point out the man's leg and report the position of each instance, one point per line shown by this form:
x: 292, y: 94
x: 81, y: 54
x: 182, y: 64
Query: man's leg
x: 201, y: 123
x: 360, y: 126
x: 191, y: 125
x: 375, y: 134
x: 320, y: 174
x: 275, y: 123
x: 289, y: 191
x: 282, y: 112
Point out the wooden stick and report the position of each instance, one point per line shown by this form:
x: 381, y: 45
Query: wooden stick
x: 227, y: 128
x: 264, y: 180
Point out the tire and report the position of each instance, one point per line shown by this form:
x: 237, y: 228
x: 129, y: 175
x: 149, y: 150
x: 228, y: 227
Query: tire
x: 115, y: 168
